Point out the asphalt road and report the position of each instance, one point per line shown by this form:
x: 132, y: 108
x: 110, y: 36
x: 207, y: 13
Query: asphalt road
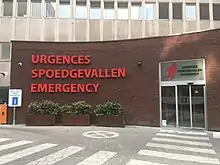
x: 20, y: 145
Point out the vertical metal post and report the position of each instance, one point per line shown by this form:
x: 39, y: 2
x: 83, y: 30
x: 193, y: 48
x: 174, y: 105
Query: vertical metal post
x: 13, y: 115
x: 190, y: 105
x: 177, y: 111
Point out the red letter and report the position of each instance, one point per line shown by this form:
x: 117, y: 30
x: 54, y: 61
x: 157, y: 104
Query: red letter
x: 35, y: 60
x: 41, y: 73
x: 33, y: 88
x: 87, y: 59
x: 43, y: 59
x: 113, y: 72
x: 50, y: 73
x: 80, y: 59
x: 121, y: 72
x: 96, y: 87
x: 34, y: 73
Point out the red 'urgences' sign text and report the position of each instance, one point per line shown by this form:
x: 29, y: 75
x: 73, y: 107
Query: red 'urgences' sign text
x: 72, y: 73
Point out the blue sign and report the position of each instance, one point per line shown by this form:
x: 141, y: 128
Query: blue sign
x: 14, y: 100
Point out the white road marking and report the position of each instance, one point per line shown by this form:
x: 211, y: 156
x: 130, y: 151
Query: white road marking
x: 141, y: 162
x: 57, y: 156
x: 19, y: 154
x: 181, y: 141
x: 182, y: 136
x: 98, y: 158
x: 184, y: 132
x: 182, y: 157
x: 15, y: 144
x: 183, y: 148
x: 4, y: 139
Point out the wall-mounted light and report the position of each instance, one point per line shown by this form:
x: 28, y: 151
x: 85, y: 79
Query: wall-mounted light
x: 139, y: 63
x: 20, y: 64
x: 3, y: 73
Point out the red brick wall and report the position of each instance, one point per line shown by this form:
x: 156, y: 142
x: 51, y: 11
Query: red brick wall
x: 139, y: 91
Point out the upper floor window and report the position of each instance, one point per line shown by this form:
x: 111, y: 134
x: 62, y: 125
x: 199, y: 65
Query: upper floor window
x: 50, y: 8
x: 81, y: 10
x: 7, y: 7
x: 64, y: 9
x: 22, y: 8
x: 216, y: 11
x: 177, y: 11
x: 163, y: 10
x: 5, y: 50
x: 36, y: 8
x: 190, y: 11
x: 136, y: 10
x: 204, y: 11
x: 150, y: 11
x: 95, y: 10
x: 123, y: 10
x: 109, y: 12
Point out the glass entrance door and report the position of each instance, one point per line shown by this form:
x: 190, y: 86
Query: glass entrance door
x: 169, y: 105
x: 198, y: 112
x: 191, y: 109
x: 183, y: 105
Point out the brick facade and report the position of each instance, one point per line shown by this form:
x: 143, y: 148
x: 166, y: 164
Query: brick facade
x: 139, y: 91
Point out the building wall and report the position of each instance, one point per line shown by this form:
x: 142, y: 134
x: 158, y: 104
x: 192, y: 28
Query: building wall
x: 33, y: 22
x: 30, y: 20
x: 139, y: 91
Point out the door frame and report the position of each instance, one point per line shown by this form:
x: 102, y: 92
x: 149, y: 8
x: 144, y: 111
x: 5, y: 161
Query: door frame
x: 175, y: 84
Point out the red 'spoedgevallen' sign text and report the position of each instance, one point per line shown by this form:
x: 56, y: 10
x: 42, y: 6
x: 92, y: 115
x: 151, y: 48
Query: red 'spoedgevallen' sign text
x: 72, y: 73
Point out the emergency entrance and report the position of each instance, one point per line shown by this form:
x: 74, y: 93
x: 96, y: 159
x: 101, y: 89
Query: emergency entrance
x: 183, y: 94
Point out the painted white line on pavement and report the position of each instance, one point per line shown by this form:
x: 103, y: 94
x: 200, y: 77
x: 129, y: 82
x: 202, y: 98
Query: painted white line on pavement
x: 181, y: 157
x: 181, y: 141
x: 141, y: 162
x: 15, y: 144
x: 4, y: 139
x: 182, y: 136
x: 57, y: 156
x: 98, y: 158
x: 184, y: 132
x: 183, y: 148
x: 19, y: 154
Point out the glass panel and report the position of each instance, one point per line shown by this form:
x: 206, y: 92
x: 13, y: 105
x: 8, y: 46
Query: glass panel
x: 149, y: 11
x: 36, y: 8
x: 22, y: 8
x: 183, y: 105
x: 190, y: 11
x: 5, y: 52
x: 198, y: 117
x: 168, y: 104
x: 7, y: 7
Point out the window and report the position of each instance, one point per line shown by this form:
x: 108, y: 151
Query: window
x: 95, y: 10
x: 36, y: 8
x: 149, y: 11
x: 190, y: 11
x: 204, y: 11
x: 136, y: 10
x: 22, y: 8
x: 8, y: 7
x: 5, y: 50
x: 123, y: 10
x: 177, y: 11
x: 163, y: 10
x: 109, y: 12
x: 81, y: 11
x: 50, y: 8
x: 64, y: 8
x: 216, y: 11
